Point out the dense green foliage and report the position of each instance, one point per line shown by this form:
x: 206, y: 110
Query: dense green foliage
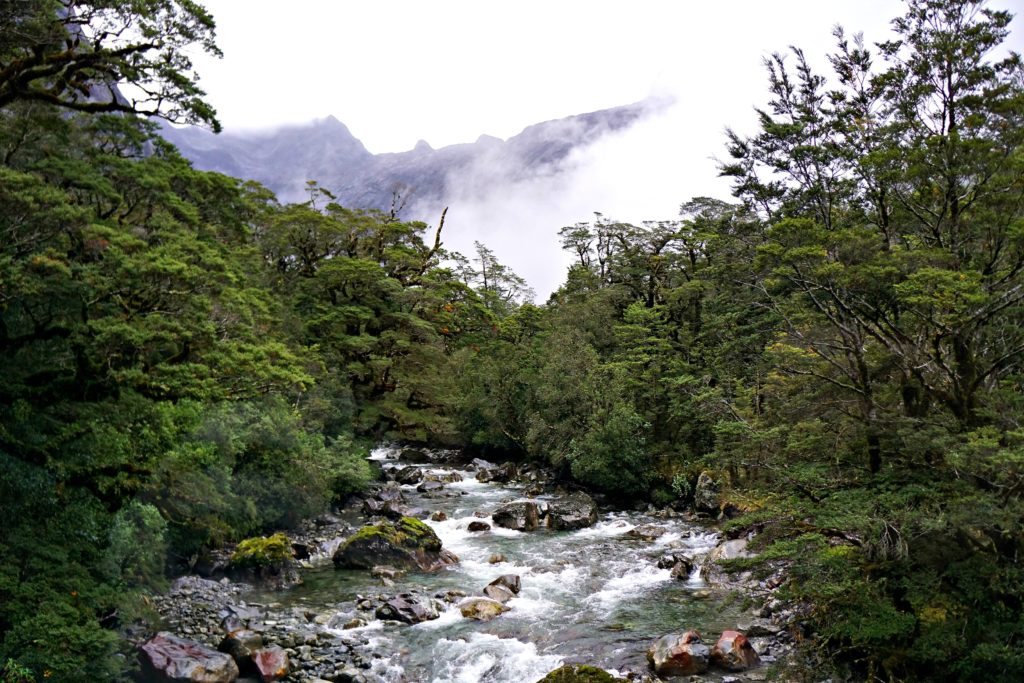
x: 189, y: 363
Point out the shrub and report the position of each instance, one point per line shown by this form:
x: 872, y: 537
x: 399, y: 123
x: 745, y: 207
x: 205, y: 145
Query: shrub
x: 263, y: 551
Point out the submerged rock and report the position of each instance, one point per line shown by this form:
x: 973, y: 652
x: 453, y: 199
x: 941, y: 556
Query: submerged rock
x: 572, y: 512
x: 520, y: 515
x: 579, y: 673
x: 679, y: 655
x: 477, y: 525
x: 406, y: 544
x: 734, y: 652
x: 481, y: 609
x: 166, y: 657
x: 384, y: 571
x: 647, y: 532
x: 445, y: 478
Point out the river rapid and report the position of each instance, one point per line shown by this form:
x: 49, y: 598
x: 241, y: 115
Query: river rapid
x: 593, y: 595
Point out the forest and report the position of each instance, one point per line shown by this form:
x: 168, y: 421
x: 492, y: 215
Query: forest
x: 186, y: 362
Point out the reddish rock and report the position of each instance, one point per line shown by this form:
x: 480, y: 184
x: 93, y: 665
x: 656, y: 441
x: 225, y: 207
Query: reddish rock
x: 478, y: 526
x: 271, y: 663
x: 734, y: 652
x: 166, y: 657
x: 675, y: 655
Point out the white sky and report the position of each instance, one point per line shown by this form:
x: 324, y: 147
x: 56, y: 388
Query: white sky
x: 446, y: 71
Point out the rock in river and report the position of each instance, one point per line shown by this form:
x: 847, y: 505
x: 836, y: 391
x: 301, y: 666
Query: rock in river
x: 481, y: 609
x: 410, y: 608
x: 406, y: 544
x: 521, y: 515
x: 409, y: 475
x: 647, y: 532
x: 572, y: 512
x: 166, y: 657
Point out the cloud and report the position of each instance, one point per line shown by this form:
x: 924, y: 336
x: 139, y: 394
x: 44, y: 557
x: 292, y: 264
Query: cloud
x: 641, y: 173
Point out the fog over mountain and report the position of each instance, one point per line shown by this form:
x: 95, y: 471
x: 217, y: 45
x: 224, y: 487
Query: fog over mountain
x: 514, y: 195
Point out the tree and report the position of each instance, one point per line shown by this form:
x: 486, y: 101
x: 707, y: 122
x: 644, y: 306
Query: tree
x: 77, y: 55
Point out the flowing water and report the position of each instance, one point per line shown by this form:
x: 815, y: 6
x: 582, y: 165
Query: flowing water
x: 593, y: 596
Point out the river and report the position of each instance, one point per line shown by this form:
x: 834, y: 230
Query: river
x: 593, y: 595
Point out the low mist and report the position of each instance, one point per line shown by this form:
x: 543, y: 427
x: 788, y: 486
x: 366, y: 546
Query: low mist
x: 641, y: 173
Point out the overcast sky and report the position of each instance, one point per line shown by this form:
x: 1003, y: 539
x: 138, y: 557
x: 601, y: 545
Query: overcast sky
x: 448, y: 71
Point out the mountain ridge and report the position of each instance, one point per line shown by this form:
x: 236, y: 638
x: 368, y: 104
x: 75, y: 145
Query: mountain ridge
x: 325, y: 150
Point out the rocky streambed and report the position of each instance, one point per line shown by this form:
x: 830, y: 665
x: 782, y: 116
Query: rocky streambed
x: 542, y: 579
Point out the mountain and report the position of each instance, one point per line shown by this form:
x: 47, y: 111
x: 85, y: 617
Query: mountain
x: 326, y: 151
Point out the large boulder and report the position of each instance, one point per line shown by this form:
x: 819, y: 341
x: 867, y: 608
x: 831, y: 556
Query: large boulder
x: 410, y: 608
x: 580, y: 673
x: 481, y: 609
x: 734, y: 652
x: 406, y: 544
x: 575, y: 511
x: 271, y: 663
x: 705, y: 494
x: 521, y: 515
x: 679, y: 655
x: 166, y: 657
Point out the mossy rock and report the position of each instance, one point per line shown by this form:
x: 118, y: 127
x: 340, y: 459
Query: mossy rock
x: 263, y: 551
x: 405, y: 544
x: 579, y: 673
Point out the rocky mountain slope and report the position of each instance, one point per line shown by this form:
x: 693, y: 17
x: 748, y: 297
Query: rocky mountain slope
x: 326, y: 151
